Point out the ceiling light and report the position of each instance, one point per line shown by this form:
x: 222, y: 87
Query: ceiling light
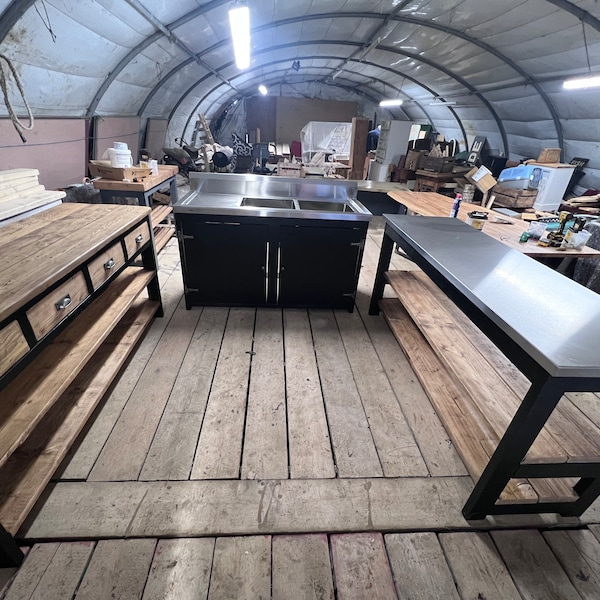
x: 239, y: 21
x: 581, y: 83
x: 442, y: 103
x: 263, y: 89
x: 395, y: 102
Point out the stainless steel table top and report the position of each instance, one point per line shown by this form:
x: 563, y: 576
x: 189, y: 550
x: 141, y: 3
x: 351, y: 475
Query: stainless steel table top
x: 555, y: 320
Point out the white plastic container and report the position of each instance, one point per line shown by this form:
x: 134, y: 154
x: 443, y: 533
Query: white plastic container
x: 120, y: 159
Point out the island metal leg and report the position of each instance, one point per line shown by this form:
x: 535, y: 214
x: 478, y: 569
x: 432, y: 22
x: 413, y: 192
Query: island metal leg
x: 535, y: 409
x: 385, y: 256
x: 10, y: 553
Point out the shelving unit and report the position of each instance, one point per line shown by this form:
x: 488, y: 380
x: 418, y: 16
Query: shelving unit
x: 72, y: 303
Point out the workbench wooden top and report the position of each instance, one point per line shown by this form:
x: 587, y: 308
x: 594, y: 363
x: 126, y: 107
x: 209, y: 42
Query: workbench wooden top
x: 39, y: 250
x: 165, y: 172
x: 431, y: 204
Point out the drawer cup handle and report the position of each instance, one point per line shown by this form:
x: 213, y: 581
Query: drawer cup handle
x: 109, y: 264
x: 62, y: 304
x: 139, y: 239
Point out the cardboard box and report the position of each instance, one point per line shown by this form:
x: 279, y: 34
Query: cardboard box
x: 102, y: 168
x: 413, y: 159
x: 481, y: 178
x: 549, y: 155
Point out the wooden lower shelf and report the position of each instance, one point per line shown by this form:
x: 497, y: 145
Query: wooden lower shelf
x: 160, y: 212
x: 476, y: 390
x: 28, y: 397
x: 162, y: 235
x: 28, y: 470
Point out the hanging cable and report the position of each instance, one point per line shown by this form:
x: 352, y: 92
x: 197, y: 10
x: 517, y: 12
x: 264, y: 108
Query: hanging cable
x: 20, y: 127
x: 587, y: 51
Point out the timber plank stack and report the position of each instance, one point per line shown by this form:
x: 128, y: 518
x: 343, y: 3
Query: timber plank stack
x: 21, y: 194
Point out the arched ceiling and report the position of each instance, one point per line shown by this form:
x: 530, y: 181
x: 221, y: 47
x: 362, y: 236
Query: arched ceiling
x: 498, y: 67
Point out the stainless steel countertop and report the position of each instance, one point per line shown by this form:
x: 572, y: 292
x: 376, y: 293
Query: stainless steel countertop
x: 223, y: 194
x: 555, y: 320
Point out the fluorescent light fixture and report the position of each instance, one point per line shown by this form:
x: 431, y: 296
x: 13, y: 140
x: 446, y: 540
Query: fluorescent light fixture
x: 263, y: 89
x: 581, y: 83
x: 395, y: 102
x: 442, y: 103
x: 239, y: 21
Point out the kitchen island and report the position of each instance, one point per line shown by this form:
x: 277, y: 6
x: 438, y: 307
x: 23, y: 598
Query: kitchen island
x: 254, y: 240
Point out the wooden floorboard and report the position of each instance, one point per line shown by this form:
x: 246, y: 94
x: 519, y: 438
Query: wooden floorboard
x: 419, y: 567
x: 396, y: 446
x: 219, y: 451
x: 354, y: 449
x: 311, y: 456
x: 301, y: 567
x: 172, y: 451
x: 265, y: 453
x: 241, y: 568
x: 180, y: 569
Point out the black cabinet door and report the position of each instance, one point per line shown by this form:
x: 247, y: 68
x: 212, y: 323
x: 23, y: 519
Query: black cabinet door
x: 224, y: 262
x: 319, y: 265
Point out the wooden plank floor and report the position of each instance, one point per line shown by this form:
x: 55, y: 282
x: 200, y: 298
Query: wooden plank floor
x: 266, y: 453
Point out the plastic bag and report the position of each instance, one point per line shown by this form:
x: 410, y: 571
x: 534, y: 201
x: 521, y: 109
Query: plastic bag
x: 575, y: 240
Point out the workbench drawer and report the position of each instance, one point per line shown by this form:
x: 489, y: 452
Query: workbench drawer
x: 106, y: 264
x: 57, y: 304
x: 137, y: 238
x: 13, y: 346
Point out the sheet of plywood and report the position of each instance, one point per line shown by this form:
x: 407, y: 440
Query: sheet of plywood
x: 220, y: 445
x: 396, y: 446
x: 477, y: 567
x: 81, y: 458
x: 246, y: 507
x: 533, y: 567
x: 118, y: 569
x: 361, y: 567
x: 301, y: 568
x: 12, y: 174
x: 353, y: 446
x: 172, y: 451
x: 419, y: 567
x: 579, y: 555
x: 180, y: 569
x: 241, y: 568
x: 137, y: 424
x: 265, y: 454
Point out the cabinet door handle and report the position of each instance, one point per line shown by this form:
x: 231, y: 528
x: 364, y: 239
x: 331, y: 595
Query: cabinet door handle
x: 139, y: 239
x: 62, y: 304
x: 109, y: 264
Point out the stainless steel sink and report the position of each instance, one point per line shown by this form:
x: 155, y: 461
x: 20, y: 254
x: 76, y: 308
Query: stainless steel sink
x: 324, y: 206
x: 247, y: 195
x: 269, y: 202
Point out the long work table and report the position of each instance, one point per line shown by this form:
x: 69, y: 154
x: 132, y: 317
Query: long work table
x: 545, y: 324
x: 431, y: 204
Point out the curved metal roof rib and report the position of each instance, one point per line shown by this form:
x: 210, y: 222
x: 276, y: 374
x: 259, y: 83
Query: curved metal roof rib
x: 159, y: 58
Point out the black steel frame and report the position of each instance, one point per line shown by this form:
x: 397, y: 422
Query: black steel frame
x: 143, y: 198
x: 535, y: 409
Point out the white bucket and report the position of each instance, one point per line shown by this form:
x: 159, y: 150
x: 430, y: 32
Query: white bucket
x: 120, y: 159
x: 120, y: 146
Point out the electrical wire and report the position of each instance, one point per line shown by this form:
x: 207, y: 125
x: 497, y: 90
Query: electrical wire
x: 20, y: 127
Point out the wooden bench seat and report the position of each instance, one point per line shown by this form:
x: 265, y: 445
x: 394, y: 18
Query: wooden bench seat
x: 476, y: 390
